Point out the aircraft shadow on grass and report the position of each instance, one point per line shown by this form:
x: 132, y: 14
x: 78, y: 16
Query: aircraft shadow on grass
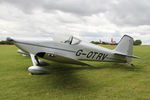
x: 63, y: 77
x: 66, y: 77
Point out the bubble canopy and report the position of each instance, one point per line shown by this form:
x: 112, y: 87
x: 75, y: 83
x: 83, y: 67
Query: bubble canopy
x: 73, y: 40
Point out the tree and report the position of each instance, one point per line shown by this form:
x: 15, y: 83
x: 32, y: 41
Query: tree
x: 6, y: 42
x: 105, y: 43
x: 95, y: 42
x: 137, y: 42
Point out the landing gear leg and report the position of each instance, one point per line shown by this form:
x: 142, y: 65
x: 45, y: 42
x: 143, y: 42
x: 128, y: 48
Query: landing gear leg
x: 36, y: 69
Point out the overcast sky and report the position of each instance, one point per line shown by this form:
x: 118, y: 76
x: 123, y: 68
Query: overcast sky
x: 86, y: 19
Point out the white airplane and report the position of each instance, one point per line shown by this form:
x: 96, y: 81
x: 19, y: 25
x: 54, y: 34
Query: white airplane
x: 72, y: 51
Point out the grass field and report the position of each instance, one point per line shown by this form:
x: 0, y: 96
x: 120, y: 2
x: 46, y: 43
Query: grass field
x: 106, y: 81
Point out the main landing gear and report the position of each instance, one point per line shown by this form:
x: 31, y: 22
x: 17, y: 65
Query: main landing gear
x: 132, y: 65
x: 35, y: 69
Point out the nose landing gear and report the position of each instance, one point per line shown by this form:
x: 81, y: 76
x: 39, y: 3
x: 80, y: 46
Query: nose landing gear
x: 34, y: 70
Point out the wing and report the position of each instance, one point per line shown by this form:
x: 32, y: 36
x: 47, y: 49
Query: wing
x: 59, y: 58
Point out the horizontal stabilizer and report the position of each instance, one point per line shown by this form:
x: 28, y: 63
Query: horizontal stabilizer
x: 130, y: 56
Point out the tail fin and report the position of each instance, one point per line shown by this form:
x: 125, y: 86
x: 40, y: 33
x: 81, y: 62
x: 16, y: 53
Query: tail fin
x: 125, y: 47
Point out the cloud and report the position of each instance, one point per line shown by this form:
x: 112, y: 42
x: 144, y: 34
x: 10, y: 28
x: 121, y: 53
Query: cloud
x: 81, y: 7
x: 87, y: 19
x: 130, y: 13
x: 120, y: 12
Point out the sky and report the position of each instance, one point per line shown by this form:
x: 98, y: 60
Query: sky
x: 86, y: 19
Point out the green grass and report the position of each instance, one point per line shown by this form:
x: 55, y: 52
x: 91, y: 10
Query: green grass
x: 106, y: 81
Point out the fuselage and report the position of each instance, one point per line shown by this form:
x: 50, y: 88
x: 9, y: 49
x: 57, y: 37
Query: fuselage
x: 80, y: 51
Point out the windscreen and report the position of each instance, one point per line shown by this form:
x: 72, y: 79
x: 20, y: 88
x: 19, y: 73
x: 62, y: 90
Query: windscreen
x: 73, y: 40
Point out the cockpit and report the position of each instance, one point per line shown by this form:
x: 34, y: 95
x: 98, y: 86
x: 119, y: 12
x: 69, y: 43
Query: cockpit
x: 73, y: 40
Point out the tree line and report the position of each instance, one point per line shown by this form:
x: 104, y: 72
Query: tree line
x: 136, y: 42
x: 6, y: 42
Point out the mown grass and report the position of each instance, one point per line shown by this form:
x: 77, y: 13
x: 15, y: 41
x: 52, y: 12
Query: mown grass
x: 106, y: 81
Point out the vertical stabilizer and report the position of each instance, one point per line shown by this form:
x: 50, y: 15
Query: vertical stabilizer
x: 125, y: 46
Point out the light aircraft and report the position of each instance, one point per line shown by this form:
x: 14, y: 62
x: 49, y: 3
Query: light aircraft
x: 72, y: 51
